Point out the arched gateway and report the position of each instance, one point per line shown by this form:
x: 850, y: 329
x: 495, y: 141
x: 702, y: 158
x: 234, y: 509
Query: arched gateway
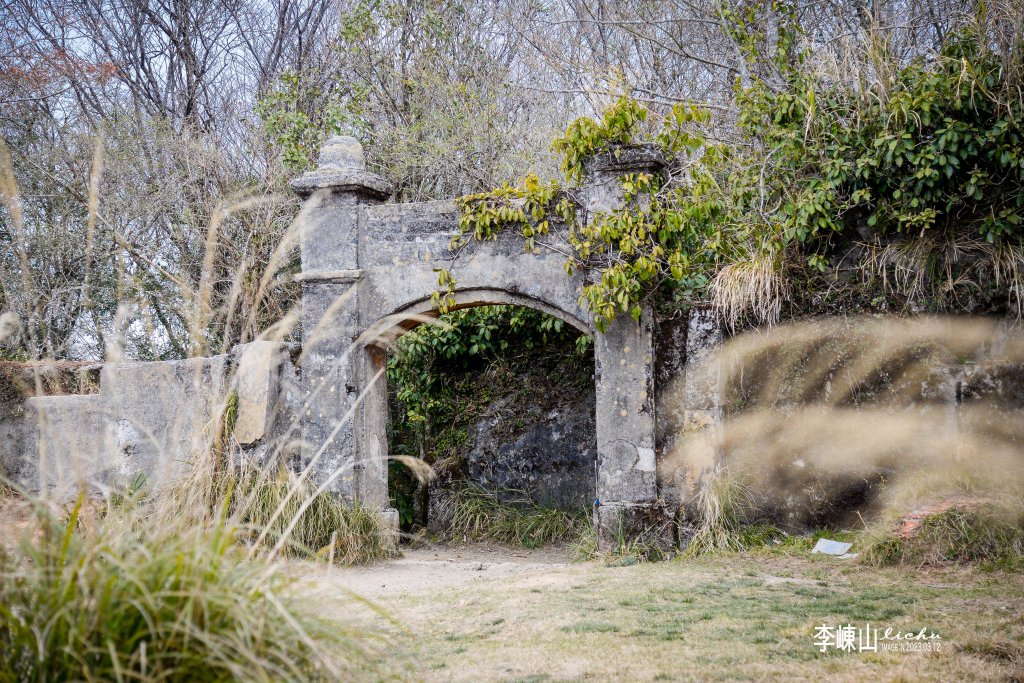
x: 368, y: 272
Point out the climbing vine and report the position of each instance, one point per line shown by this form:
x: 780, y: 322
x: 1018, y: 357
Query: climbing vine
x: 634, y: 246
x: 917, y: 179
x: 528, y: 207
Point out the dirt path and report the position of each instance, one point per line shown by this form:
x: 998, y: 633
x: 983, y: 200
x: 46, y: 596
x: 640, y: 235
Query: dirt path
x: 436, y: 570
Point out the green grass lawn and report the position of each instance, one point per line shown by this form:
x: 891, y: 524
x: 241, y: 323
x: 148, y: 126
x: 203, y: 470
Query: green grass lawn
x: 732, y: 617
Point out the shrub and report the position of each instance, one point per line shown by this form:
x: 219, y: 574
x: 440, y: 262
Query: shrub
x: 915, y: 175
x: 991, y: 536
x: 469, y: 339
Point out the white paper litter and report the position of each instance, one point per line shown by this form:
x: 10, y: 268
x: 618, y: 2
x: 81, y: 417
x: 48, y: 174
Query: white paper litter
x: 830, y: 547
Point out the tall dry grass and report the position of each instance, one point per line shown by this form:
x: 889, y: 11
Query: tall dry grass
x: 725, y: 508
x: 307, y: 524
x: 124, y: 596
x: 859, y: 422
x: 182, y: 580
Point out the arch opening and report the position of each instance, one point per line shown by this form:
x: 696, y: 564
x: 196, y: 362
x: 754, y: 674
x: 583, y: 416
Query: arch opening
x: 498, y: 397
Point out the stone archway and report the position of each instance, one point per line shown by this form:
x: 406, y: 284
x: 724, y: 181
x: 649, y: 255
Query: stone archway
x: 377, y: 341
x: 368, y: 272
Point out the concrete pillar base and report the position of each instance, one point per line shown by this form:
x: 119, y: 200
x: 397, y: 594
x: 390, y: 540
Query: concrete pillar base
x: 622, y: 524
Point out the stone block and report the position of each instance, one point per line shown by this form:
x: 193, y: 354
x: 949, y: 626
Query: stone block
x: 256, y: 384
x: 68, y: 447
x: 164, y: 413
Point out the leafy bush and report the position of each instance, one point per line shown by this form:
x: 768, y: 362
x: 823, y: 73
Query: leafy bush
x: 915, y: 174
x: 466, y: 339
x: 127, y: 600
x: 936, y: 147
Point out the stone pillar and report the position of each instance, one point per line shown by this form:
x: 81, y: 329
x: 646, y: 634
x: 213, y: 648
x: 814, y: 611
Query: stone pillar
x: 335, y: 370
x: 627, y: 483
x: 698, y: 450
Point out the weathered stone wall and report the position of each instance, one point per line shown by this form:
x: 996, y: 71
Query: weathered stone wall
x: 72, y: 441
x: 529, y: 426
x: 269, y: 400
x: 401, y: 245
x: 689, y: 403
x: 163, y: 413
x: 368, y: 272
x: 548, y: 451
x: 151, y: 419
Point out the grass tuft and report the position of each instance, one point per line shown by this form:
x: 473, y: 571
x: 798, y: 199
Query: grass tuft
x: 647, y: 546
x: 725, y: 509
x: 119, y: 599
x: 754, y: 287
x: 476, y: 513
x: 991, y: 536
x: 584, y: 546
x: 268, y: 502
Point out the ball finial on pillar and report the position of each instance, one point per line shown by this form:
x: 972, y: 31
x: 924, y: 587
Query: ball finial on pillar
x: 344, y: 153
x: 341, y: 167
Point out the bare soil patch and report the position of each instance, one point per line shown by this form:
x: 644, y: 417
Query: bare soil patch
x: 441, y: 568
